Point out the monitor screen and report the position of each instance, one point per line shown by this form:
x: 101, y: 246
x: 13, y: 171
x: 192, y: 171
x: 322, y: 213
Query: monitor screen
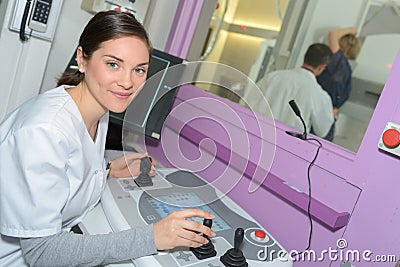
x: 149, y: 109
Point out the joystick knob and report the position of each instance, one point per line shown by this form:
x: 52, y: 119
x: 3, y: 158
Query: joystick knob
x: 207, y: 222
x: 207, y: 250
x: 144, y: 179
x: 234, y: 257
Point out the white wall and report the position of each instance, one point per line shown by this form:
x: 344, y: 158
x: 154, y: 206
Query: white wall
x: 323, y: 16
x: 70, y: 25
x: 159, y: 20
x: 23, y: 64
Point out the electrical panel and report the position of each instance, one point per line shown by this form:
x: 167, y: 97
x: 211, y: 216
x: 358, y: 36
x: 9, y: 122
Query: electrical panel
x: 136, y: 7
x: 37, y: 18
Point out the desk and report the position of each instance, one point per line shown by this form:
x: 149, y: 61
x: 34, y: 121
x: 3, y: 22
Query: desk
x: 95, y: 222
x: 125, y: 205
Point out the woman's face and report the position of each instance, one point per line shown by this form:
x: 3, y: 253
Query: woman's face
x: 116, y: 72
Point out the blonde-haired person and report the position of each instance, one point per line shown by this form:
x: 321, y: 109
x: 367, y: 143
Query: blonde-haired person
x: 336, y: 78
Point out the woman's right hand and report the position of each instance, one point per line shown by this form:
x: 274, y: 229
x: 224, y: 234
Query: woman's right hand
x: 175, y: 230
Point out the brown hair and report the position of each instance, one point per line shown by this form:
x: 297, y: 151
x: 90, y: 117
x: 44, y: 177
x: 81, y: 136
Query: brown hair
x: 105, y: 26
x: 350, y: 45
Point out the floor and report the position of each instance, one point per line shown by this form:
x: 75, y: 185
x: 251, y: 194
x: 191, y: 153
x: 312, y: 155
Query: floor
x: 355, y: 114
x: 351, y: 125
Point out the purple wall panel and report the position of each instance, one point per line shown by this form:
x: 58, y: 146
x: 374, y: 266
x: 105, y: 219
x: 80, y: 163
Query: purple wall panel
x: 183, y: 27
x: 375, y: 225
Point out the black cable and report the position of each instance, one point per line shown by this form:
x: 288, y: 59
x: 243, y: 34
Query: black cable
x: 303, y: 136
x: 309, y: 189
x: 309, y: 194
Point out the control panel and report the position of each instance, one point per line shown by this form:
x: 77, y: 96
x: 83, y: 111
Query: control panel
x: 240, y: 240
x: 390, y: 139
x: 36, y: 18
x: 40, y: 15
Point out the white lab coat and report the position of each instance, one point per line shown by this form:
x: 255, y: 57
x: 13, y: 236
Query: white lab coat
x: 52, y: 173
x: 279, y: 87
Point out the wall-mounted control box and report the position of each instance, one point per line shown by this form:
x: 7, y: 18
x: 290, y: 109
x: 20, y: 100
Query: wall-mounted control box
x: 390, y: 139
x: 138, y: 8
x: 37, y: 18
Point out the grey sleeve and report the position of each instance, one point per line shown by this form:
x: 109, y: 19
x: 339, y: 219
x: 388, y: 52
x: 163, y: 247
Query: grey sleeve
x: 70, y: 249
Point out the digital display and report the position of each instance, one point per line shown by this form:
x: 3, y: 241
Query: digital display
x: 183, y: 201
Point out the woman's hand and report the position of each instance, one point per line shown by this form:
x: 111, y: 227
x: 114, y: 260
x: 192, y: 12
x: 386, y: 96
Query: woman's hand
x: 129, y: 165
x: 174, y: 230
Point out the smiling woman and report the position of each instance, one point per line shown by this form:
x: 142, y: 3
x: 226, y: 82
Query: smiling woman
x: 57, y: 142
x: 113, y: 74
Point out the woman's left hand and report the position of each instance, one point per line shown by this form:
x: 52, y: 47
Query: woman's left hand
x: 129, y: 165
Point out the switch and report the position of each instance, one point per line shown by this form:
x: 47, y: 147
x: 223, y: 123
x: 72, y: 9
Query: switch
x: 259, y: 236
x: 390, y: 139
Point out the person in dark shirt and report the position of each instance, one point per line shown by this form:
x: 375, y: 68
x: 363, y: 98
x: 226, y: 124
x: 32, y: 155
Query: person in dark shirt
x: 336, y: 78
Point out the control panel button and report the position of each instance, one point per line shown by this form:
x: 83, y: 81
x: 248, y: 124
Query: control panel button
x: 260, y: 234
x: 391, y: 138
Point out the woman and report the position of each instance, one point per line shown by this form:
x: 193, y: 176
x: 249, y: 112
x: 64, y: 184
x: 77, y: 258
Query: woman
x: 336, y: 78
x: 52, y: 159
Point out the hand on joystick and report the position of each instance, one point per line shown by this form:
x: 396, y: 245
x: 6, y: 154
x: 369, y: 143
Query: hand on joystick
x: 234, y: 257
x: 207, y: 250
x: 144, y: 179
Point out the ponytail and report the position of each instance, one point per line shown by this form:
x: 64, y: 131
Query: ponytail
x: 70, y: 78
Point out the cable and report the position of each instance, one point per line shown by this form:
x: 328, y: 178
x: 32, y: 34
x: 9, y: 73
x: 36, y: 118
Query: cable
x: 24, y: 19
x: 309, y: 188
x: 309, y: 194
x: 303, y: 136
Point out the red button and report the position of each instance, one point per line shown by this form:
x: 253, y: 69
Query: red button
x: 391, y: 138
x: 260, y: 234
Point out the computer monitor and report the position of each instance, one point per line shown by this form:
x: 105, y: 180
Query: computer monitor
x: 149, y: 109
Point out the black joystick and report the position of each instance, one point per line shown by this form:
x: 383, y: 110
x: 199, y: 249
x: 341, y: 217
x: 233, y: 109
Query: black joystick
x: 234, y: 257
x: 144, y: 179
x: 207, y: 250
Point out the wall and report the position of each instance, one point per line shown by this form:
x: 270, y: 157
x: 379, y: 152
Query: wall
x: 23, y: 63
x: 70, y: 25
x: 159, y: 20
x: 375, y: 226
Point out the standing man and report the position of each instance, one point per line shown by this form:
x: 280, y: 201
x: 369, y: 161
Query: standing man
x: 300, y: 84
